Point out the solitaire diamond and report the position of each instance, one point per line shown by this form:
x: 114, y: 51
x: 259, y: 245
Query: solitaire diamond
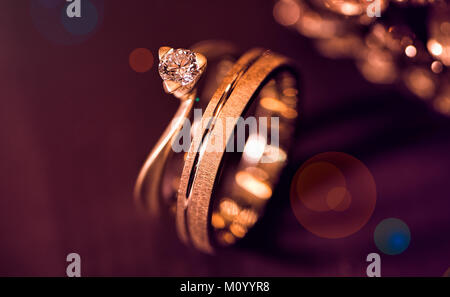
x: 180, y: 66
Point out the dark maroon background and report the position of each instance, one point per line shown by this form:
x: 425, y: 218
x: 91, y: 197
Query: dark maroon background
x: 76, y: 122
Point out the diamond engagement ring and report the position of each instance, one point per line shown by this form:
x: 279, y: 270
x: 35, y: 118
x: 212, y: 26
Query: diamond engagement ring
x: 180, y: 69
x: 222, y: 182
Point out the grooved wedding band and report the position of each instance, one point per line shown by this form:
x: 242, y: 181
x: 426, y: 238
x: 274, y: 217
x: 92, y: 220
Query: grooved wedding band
x: 200, y: 172
x: 221, y: 195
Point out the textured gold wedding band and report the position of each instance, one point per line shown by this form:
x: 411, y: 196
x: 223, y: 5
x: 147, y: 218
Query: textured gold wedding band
x: 200, y: 172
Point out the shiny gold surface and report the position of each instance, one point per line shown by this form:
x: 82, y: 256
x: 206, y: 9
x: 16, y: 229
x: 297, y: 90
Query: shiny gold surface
x: 147, y: 188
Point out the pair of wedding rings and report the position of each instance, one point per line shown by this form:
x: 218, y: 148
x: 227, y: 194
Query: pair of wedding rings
x: 216, y: 168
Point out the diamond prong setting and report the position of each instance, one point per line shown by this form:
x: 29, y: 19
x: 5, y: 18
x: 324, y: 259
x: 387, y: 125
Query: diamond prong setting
x: 171, y: 86
x: 163, y: 51
x: 201, y: 60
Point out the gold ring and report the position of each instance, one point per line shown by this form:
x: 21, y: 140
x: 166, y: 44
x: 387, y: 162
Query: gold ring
x: 226, y: 179
x: 148, y: 191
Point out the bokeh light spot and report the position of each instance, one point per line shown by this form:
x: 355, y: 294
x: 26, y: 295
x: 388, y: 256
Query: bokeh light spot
x: 442, y: 101
x: 315, y: 182
x: 421, y: 82
x: 286, y: 12
x: 392, y: 236
x: 411, y: 51
x: 434, y: 47
x: 339, y: 199
x: 333, y: 195
x: 141, y: 60
x: 436, y: 67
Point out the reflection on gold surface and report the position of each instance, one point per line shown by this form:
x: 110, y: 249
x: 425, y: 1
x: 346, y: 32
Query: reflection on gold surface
x: 274, y: 154
x: 217, y: 221
x: 238, y: 230
x: 254, y: 148
x: 228, y: 208
x: 289, y: 113
x: 252, y: 185
x: 247, y: 217
x: 290, y: 92
x: 257, y: 173
x: 226, y: 238
x: 276, y: 105
x: 289, y: 101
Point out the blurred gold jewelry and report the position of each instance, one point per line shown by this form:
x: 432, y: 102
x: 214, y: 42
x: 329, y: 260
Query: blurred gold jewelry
x: 387, y: 50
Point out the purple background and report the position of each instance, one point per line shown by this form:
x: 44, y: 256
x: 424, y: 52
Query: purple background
x: 76, y: 123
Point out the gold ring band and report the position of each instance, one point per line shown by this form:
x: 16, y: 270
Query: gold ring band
x: 216, y: 201
x: 200, y: 172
